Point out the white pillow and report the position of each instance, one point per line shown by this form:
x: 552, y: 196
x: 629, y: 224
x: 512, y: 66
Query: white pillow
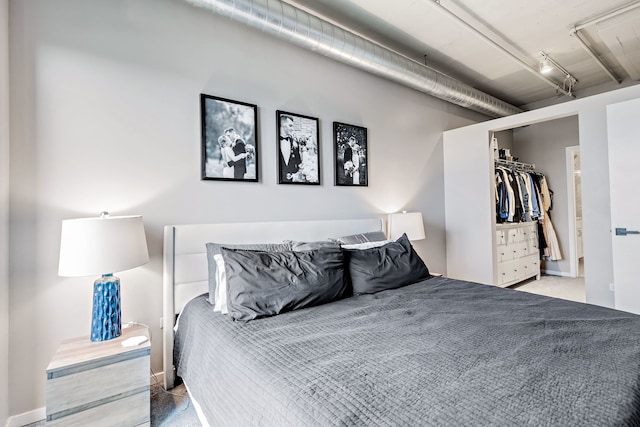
x: 366, y: 245
x: 221, y: 288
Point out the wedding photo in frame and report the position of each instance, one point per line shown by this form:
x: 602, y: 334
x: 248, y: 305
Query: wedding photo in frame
x: 298, y: 149
x: 229, y: 139
x: 350, y: 155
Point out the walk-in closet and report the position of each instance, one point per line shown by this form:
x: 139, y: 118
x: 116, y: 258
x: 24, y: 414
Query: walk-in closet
x: 533, y: 228
x: 549, y: 152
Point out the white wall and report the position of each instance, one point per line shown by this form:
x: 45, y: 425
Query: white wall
x: 105, y: 116
x: 4, y: 210
x: 544, y: 144
x: 596, y: 213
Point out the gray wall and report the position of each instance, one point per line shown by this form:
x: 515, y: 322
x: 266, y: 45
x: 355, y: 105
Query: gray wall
x: 105, y: 116
x: 4, y: 210
x: 544, y: 144
x: 505, y: 139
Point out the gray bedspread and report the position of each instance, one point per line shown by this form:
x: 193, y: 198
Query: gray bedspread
x: 437, y: 353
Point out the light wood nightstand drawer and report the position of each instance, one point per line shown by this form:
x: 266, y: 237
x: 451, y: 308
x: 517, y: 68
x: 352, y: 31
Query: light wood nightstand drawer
x: 100, y: 383
x: 129, y: 411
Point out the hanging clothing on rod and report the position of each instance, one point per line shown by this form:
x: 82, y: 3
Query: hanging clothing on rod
x: 516, y: 199
x: 552, y: 251
x: 522, y: 195
x: 515, y: 165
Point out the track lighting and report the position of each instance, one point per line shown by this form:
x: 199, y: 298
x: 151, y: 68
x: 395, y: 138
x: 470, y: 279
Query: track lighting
x: 547, y: 65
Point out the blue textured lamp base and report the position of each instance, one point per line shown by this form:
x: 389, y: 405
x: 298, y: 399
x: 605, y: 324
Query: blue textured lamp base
x: 106, y: 322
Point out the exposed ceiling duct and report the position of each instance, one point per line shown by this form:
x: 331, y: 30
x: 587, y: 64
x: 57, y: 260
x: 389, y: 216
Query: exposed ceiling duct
x: 310, y: 32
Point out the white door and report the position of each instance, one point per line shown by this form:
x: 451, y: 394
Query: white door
x: 623, y: 127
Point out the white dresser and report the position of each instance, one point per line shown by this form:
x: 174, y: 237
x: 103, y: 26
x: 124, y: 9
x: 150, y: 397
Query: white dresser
x: 517, y: 253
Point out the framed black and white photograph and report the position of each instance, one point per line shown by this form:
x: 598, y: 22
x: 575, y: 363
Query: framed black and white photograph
x: 298, y: 149
x: 350, y: 155
x: 229, y: 139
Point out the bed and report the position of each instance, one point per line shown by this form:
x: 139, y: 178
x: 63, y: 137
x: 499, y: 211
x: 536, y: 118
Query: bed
x: 432, y: 353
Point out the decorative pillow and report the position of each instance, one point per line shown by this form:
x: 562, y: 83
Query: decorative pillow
x: 366, y: 245
x: 310, y: 246
x: 220, y: 300
x: 391, y: 266
x: 268, y: 283
x: 214, y: 249
x: 371, y: 236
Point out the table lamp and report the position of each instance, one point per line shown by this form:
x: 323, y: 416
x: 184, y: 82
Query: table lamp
x: 103, y: 245
x: 406, y: 223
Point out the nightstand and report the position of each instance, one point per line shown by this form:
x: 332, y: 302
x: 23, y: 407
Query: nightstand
x: 100, y: 383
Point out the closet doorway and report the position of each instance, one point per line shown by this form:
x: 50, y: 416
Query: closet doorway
x: 545, y: 144
x: 553, y: 146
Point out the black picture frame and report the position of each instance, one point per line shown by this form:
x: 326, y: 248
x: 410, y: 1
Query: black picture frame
x: 346, y: 138
x: 229, y: 139
x: 298, y: 148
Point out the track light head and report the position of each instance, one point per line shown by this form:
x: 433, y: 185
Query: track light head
x: 545, y: 66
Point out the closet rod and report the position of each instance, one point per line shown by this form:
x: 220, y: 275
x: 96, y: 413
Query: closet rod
x: 514, y: 163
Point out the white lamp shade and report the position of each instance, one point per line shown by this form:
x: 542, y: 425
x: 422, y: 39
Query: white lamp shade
x: 93, y: 246
x: 409, y: 223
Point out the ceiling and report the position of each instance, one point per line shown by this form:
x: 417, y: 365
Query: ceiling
x: 495, y: 45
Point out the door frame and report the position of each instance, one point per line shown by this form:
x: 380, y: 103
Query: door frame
x: 571, y: 208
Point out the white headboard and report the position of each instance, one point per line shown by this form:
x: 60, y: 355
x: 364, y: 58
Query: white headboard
x: 185, y: 270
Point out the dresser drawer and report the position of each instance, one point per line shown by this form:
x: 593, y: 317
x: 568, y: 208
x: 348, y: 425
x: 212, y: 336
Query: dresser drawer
x: 517, y: 252
x: 504, y: 253
x: 528, y: 266
x: 529, y: 231
x: 507, y: 272
x: 521, y: 249
x: 514, y: 251
x: 514, y: 271
x: 513, y: 235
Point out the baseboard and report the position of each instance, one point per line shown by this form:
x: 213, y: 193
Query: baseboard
x: 556, y: 273
x: 27, y: 418
x: 157, y: 378
x: 41, y: 413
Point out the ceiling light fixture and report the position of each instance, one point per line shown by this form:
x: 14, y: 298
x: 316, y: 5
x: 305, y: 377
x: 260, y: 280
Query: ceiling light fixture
x: 547, y: 65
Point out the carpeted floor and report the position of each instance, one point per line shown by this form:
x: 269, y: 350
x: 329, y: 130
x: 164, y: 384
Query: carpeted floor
x: 571, y: 289
x: 172, y: 408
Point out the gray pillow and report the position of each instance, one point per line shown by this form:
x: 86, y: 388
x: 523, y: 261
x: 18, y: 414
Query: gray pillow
x: 310, y: 246
x: 268, y: 283
x: 371, y: 236
x: 214, y: 249
x: 391, y: 266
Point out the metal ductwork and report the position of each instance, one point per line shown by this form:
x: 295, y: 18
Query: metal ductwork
x: 310, y: 32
